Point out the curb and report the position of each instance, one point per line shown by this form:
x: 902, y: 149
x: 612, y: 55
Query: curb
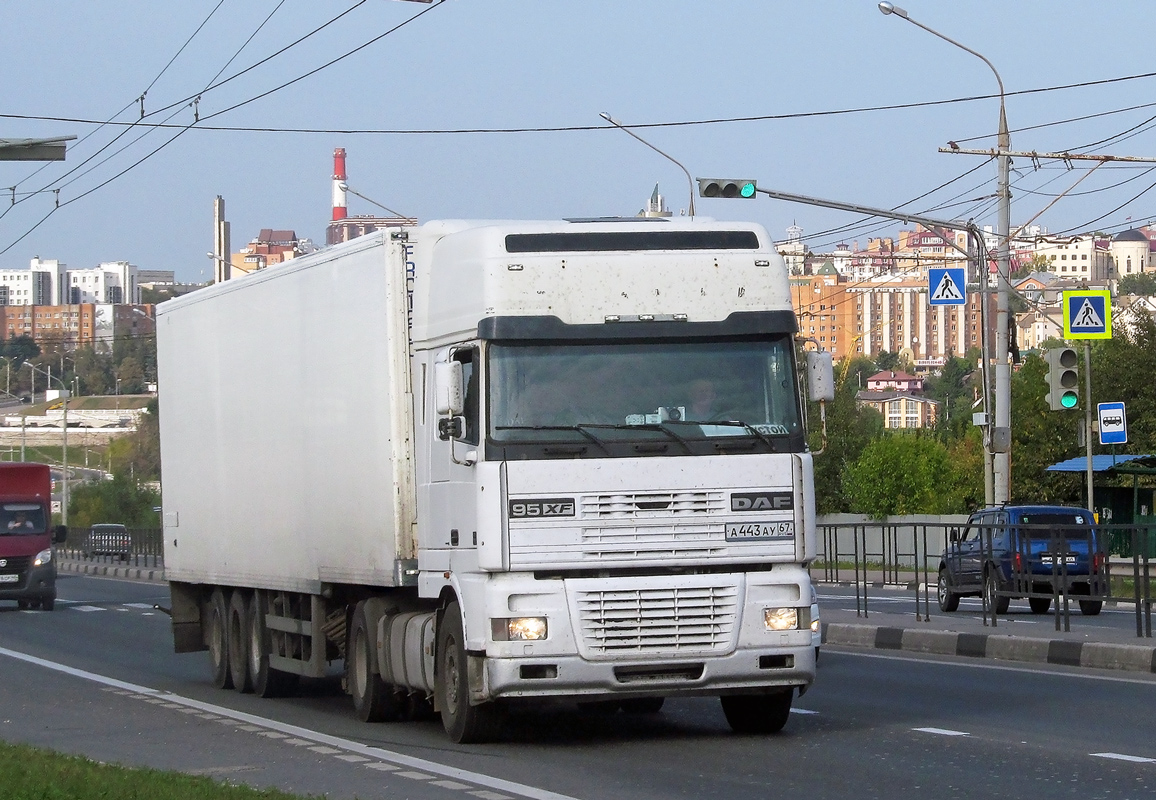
x: 1000, y: 647
x: 154, y: 574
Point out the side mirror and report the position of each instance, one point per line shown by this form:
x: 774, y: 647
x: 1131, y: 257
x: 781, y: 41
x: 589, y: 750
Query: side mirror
x: 954, y: 535
x: 60, y: 534
x: 449, y: 393
x: 820, y: 375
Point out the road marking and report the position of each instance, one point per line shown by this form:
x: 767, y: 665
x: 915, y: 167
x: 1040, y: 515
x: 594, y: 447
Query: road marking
x: 1123, y: 757
x: 941, y: 731
x: 312, y: 736
x: 88, y: 608
x: 148, y: 606
x: 802, y: 711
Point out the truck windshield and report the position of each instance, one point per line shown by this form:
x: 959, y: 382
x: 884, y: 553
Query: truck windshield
x: 21, y: 518
x: 671, y: 392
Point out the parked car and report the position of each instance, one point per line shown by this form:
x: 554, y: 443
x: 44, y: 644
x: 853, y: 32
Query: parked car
x: 1025, y: 551
x: 108, y: 539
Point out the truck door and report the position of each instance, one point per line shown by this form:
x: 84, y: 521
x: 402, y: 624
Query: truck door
x: 452, y: 489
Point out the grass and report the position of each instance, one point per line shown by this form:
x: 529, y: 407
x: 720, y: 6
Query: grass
x: 29, y: 773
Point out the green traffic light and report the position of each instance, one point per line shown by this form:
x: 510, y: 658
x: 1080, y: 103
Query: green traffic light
x: 1069, y: 399
x: 748, y: 190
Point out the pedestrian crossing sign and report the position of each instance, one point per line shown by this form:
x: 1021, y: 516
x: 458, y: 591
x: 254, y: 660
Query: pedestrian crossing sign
x: 1087, y: 314
x: 948, y: 286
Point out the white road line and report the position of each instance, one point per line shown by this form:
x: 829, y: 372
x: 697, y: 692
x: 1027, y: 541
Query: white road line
x: 1123, y: 757
x: 941, y: 731
x: 87, y: 608
x: 802, y: 711
x: 313, y: 737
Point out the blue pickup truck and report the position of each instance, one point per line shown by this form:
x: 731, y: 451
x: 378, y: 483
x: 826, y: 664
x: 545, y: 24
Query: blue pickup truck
x: 1037, y: 552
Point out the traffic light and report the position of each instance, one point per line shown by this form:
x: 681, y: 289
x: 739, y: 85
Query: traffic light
x: 726, y: 187
x: 1063, y: 379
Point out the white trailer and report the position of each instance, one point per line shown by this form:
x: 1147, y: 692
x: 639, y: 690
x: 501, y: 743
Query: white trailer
x: 486, y: 463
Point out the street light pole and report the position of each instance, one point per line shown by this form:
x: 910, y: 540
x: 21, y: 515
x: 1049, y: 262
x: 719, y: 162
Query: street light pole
x: 64, y: 440
x: 999, y: 436
x: 671, y: 159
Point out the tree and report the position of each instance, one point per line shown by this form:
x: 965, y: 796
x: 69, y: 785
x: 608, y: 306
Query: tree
x: 94, y: 370
x: 886, y: 361
x: 119, y: 500
x: 849, y: 430
x: 902, y: 473
x: 1122, y: 371
x: 1143, y: 283
x: 138, y: 455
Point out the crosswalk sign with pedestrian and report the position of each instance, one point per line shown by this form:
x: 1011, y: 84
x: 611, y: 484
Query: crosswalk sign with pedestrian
x: 948, y: 286
x: 1087, y: 314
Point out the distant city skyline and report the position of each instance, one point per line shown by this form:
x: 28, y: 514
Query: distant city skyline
x: 829, y: 99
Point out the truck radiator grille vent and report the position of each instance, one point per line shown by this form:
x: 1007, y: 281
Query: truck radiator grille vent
x: 659, y: 540
x: 659, y: 621
x: 15, y: 565
x: 651, y: 504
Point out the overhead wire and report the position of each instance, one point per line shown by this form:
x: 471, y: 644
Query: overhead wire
x: 181, y: 131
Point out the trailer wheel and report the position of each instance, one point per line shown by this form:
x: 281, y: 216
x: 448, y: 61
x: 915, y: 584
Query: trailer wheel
x: 374, y: 700
x: 267, y: 682
x: 758, y: 713
x: 216, y: 634
x: 465, y: 724
x: 238, y: 630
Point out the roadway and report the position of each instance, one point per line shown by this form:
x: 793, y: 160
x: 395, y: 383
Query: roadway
x: 874, y: 725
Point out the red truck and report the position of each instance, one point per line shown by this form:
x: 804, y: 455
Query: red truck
x: 27, y: 571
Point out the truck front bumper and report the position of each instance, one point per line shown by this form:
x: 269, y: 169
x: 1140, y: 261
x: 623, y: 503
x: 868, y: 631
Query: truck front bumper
x: 745, y: 671
x: 35, y: 584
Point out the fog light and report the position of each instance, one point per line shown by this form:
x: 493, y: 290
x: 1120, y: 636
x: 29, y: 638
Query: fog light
x: 780, y: 619
x: 518, y: 629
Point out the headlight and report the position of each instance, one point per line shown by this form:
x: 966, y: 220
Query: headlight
x: 42, y: 558
x: 518, y: 629
x: 780, y: 619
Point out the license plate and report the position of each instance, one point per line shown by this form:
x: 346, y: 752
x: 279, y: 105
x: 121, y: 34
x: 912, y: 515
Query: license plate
x: 1047, y: 559
x: 754, y: 531
x: 9, y: 579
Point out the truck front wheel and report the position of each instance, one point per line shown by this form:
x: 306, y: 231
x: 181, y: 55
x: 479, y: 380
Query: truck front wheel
x: 465, y: 724
x: 373, y: 699
x: 758, y: 713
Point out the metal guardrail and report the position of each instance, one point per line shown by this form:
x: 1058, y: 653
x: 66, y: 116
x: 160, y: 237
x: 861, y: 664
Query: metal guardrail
x: 909, y: 555
x: 145, y: 549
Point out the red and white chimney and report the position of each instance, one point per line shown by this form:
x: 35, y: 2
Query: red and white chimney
x: 339, y: 187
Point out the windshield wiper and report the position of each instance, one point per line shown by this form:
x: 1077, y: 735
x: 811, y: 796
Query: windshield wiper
x: 647, y: 427
x: 732, y: 423
x: 582, y: 429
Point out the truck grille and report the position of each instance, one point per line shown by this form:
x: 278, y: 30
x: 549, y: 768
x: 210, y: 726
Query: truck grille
x: 666, y: 621
x: 651, y: 504
x: 653, y: 541
x: 15, y: 565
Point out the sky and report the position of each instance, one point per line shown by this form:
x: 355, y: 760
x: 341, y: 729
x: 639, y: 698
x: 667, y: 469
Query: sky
x: 489, y: 109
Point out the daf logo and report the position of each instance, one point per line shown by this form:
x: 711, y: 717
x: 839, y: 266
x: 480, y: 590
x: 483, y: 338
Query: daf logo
x: 763, y: 501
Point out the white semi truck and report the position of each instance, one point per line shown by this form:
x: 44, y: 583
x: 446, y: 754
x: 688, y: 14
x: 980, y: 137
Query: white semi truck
x: 485, y: 463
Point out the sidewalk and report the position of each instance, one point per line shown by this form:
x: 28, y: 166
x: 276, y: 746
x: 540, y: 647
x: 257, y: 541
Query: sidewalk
x: 106, y: 568
x: 1018, y: 636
